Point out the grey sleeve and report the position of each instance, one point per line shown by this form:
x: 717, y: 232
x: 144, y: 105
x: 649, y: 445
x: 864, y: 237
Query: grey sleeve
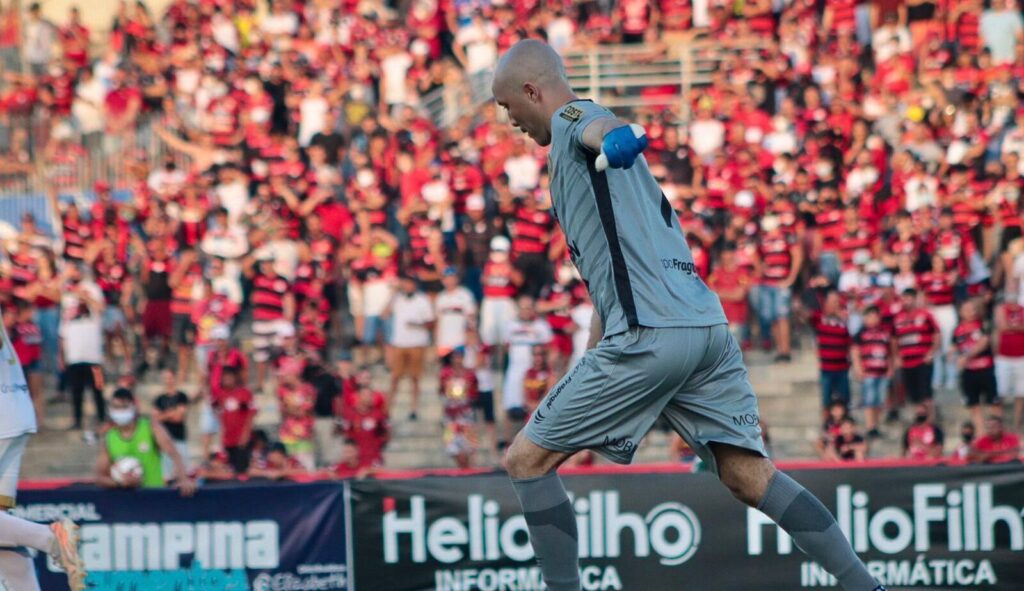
x: 584, y: 114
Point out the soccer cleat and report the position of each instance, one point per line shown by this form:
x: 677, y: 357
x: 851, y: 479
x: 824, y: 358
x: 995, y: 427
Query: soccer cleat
x: 65, y: 551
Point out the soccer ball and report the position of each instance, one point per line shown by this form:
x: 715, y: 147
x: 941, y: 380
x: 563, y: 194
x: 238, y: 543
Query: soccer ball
x: 126, y: 468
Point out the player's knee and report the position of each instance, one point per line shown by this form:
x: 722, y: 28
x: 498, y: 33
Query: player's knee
x: 524, y: 459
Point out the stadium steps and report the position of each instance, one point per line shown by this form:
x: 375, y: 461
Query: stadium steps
x: 788, y: 395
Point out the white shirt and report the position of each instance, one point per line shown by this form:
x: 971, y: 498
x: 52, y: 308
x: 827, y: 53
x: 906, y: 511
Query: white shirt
x: 394, y: 69
x: 523, y: 336
x: 706, y: 136
x: 312, y: 116
x: 376, y: 295
x: 284, y: 23
x: 285, y: 254
x: 82, y: 339
x: 453, y: 310
x: 87, y: 107
x: 226, y: 243
x: 581, y: 316
x: 480, y: 46
x: 69, y: 301
x: 523, y: 173
x: 17, y: 417
x: 233, y: 197
x: 405, y: 310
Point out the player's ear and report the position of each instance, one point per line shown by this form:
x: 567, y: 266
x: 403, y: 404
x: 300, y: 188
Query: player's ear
x: 532, y: 92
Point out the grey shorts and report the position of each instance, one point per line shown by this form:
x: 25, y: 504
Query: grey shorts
x: 694, y: 377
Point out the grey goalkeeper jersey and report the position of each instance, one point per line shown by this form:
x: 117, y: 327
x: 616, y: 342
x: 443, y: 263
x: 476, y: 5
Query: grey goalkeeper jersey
x: 623, y: 235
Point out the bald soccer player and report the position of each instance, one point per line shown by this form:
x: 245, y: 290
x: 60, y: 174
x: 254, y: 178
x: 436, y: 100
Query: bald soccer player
x: 666, y: 349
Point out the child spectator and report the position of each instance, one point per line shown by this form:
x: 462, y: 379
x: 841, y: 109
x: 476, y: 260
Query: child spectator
x: 732, y: 284
x: 833, y: 349
x: 170, y: 409
x: 478, y: 357
x: 874, y: 351
x: 217, y: 467
x: 837, y: 412
x: 924, y: 439
x: 366, y: 423
x: 976, y: 363
x: 459, y: 393
x: 235, y: 408
x: 278, y: 465
x: 537, y: 381
x: 297, y: 399
x: 351, y: 464
x: 850, y: 445
x: 918, y: 342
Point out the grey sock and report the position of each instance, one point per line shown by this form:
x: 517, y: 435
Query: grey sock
x: 552, y: 525
x: 815, y: 532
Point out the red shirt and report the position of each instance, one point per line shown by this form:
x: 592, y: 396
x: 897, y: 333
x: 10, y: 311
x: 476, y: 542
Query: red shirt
x: 497, y: 280
x: 459, y: 390
x: 937, y: 287
x: 369, y: 430
x: 1009, y: 444
x: 1011, y: 342
x: 236, y: 411
x: 776, y: 258
x: 721, y: 280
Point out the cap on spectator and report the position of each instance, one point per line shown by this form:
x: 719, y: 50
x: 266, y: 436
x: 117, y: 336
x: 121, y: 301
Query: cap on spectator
x: 500, y: 244
x: 101, y: 186
x: 475, y: 202
x: 220, y: 333
x: 451, y: 272
x: 910, y: 291
x: 419, y: 47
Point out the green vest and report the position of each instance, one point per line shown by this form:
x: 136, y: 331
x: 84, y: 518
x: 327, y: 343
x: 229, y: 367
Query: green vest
x: 142, y: 446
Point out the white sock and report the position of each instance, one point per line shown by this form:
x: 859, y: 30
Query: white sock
x: 17, y: 571
x: 16, y: 532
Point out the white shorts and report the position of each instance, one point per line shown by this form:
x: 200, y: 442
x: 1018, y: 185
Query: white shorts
x: 11, y: 451
x: 1010, y: 376
x: 495, y: 316
x: 209, y: 424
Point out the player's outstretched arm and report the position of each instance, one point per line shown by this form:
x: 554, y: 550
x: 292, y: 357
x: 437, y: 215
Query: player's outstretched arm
x: 617, y: 143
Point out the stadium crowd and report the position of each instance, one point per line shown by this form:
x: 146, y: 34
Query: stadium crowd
x: 852, y: 173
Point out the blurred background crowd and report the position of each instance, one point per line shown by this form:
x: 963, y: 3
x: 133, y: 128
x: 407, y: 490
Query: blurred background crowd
x: 299, y: 206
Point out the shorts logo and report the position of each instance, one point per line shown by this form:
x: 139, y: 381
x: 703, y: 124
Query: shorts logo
x: 571, y: 113
x: 675, y: 264
x: 558, y: 390
x: 619, y: 444
x: 746, y: 420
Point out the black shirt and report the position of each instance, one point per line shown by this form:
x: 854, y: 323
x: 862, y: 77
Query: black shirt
x: 330, y: 142
x: 166, y: 402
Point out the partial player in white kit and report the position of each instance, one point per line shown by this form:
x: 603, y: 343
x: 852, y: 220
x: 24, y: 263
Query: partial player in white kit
x: 664, y: 345
x: 60, y: 539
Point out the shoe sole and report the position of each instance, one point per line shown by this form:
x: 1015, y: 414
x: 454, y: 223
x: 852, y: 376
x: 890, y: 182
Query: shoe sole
x: 66, y: 532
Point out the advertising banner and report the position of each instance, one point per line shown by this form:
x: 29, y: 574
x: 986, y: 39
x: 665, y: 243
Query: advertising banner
x: 259, y: 537
x: 916, y: 528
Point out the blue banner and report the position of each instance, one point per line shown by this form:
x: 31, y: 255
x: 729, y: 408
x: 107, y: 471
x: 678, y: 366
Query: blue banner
x: 259, y: 537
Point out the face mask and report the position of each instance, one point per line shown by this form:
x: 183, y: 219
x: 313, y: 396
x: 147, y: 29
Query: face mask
x: 870, y: 175
x: 122, y: 416
x: 823, y: 170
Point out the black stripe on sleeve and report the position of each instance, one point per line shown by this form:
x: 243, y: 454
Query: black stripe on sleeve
x: 620, y: 274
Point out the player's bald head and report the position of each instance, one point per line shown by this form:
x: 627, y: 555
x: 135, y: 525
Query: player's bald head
x: 530, y: 83
x: 529, y: 61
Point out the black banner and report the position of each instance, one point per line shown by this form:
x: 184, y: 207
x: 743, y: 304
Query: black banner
x: 916, y: 528
x: 258, y: 537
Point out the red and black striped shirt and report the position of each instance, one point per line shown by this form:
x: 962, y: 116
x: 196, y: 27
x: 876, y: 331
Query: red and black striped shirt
x: 76, y: 234
x: 497, y: 280
x: 850, y: 243
x: 268, y: 294
x: 937, y: 287
x: 915, y: 336
x: 833, y: 342
x: 776, y: 258
x: 966, y: 337
x: 875, y: 345
x: 830, y: 226
x: 531, y: 231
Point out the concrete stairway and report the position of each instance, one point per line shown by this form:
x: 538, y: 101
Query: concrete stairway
x: 789, y: 398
